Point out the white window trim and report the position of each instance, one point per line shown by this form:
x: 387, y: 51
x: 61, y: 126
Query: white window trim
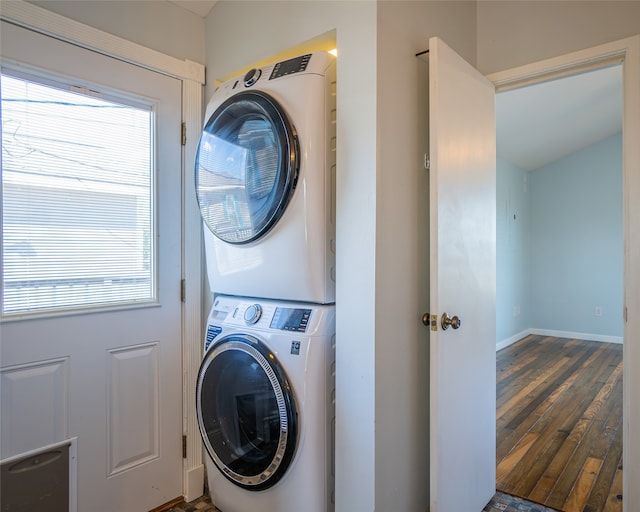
x: 192, y: 75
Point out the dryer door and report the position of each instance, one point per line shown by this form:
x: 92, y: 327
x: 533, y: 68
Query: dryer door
x: 246, y: 412
x: 246, y: 167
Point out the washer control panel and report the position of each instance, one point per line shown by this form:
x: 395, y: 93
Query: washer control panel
x: 264, y: 315
x: 290, y: 319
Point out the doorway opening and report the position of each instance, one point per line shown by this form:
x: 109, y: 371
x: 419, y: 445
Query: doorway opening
x: 560, y: 260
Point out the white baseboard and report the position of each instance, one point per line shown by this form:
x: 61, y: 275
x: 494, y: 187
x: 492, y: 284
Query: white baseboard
x: 558, y: 334
x: 512, y: 339
x: 578, y: 335
x: 194, y: 483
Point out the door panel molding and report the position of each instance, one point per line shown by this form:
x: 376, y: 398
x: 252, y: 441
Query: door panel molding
x: 133, y: 428
x: 40, y: 386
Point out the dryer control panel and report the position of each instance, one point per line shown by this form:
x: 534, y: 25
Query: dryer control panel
x: 287, y: 67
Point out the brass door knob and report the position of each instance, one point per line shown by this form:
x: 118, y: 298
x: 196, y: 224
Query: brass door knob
x: 445, y: 322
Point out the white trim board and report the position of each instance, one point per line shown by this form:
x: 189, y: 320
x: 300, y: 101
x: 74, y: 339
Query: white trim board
x: 578, y: 335
x: 603, y: 338
x: 512, y: 339
x: 49, y: 23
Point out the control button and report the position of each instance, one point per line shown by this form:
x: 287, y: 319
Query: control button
x: 251, y: 77
x: 252, y: 314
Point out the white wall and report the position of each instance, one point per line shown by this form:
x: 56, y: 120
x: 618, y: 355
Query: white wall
x: 562, y: 254
x: 160, y: 25
x: 511, y: 34
x: 577, y: 242
x: 513, y: 249
x: 402, y: 257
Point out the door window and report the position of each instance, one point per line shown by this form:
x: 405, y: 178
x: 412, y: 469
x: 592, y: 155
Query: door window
x: 247, y: 166
x: 77, y: 189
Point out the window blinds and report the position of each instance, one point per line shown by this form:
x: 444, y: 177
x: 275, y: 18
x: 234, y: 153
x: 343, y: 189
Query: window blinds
x: 77, y: 200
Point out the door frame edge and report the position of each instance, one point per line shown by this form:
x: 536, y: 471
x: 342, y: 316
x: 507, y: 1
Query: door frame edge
x: 627, y: 52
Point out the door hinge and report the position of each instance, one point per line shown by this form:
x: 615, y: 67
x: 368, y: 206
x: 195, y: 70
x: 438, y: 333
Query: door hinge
x: 184, y: 446
x: 183, y: 134
x: 183, y: 290
x: 625, y: 315
x: 427, y: 162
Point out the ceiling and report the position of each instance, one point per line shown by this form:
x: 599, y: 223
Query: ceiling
x: 541, y: 123
x: 199, y: 7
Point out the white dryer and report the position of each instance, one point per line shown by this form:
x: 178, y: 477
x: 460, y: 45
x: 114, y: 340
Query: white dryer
x: 265, y: 405
x: 265, y: 181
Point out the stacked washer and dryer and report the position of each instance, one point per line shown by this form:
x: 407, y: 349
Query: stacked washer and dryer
x: 265, y: 181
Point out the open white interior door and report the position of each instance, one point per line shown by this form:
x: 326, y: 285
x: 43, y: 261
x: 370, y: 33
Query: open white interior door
x: 462, y: 276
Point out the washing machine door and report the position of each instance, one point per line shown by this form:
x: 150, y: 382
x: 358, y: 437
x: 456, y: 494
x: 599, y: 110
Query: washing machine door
x: 246, y: 412
x: 246, y: 167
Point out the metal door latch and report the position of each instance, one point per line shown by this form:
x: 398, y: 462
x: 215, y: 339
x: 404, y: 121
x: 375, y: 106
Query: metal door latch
x: 430, y: 321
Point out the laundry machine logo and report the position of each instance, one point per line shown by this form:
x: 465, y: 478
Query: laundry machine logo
x: 295, y: 348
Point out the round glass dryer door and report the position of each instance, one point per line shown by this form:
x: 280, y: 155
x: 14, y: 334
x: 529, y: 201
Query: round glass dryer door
x: 246, y: 167
x: 246, y: 412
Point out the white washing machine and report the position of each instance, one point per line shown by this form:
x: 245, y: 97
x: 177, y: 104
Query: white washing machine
x: 265, y: 404
x: 265, y: 181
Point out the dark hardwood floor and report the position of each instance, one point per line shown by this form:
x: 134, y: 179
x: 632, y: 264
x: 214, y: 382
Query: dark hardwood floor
x: 559, y: 423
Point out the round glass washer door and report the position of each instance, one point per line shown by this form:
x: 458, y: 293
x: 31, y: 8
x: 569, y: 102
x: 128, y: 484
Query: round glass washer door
x: 246, y: 412
x: 247, y: 166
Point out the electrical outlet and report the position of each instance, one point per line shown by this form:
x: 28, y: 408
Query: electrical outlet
x: 598, y: 311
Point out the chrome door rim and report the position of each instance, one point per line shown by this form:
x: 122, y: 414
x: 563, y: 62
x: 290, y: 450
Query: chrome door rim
x: 289, y: 165
x: 284, y: 452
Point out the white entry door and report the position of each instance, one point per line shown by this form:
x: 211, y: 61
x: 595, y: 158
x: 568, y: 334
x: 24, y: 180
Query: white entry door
x: 110, y: 378
x: 462, y: 276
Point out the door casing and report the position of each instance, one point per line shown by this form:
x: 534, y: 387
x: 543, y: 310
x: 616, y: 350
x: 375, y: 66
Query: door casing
x: 626, y: 51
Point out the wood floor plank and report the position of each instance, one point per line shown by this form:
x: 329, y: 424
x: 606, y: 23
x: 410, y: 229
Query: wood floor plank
x: 605, y: 483
x: 508, y: 463
x: 562, y: 397
x: 596, y: 433
x: 581, y: 490
x: 561, y: 458
x: 559, y: 430
x: 548, y: 388
x: 526, y: 392
x: 614, y: 500
x: 524, y: 363
x: 551, y: 440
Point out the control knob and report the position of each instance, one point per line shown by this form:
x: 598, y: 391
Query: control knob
x: 252, y: 314
x: 251, y: 77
